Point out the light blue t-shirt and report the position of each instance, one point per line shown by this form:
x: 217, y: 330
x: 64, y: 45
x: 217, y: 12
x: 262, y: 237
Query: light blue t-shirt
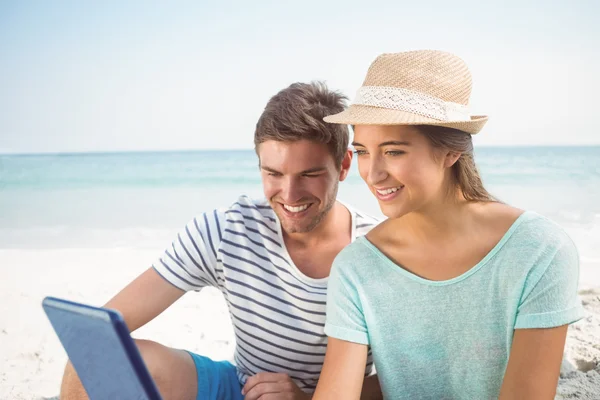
x: 451, y: 339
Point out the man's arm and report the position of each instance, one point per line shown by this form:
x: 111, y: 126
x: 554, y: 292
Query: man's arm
x: 144, y: 299
x: 534, y: 364
x: 139, y: 302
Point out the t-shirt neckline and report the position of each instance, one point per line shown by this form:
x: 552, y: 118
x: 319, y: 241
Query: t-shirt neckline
x: 399, y: 269
x: 294, y: 269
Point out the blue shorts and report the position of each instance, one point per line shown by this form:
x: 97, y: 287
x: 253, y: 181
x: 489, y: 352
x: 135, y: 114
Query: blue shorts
x: 217, y: 380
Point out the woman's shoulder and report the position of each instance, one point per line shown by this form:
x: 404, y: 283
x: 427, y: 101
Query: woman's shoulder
x: 358, y: 256
x: 358, y: 250
x: 525, y: 228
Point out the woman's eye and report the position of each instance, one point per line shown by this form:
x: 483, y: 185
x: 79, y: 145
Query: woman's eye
x: 394, y: 152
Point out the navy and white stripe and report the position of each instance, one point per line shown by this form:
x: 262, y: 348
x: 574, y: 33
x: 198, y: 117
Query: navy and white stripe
x: 278, y: 313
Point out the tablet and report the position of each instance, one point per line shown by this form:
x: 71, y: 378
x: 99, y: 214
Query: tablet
x: 101, y: 350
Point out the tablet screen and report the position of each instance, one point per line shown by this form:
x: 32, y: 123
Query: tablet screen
x: 91, y: 340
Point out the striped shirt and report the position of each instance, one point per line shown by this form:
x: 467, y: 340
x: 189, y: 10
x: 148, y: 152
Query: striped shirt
x: 278, y: 313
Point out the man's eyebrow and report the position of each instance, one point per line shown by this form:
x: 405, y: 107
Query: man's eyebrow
x: 388, y: 143
x: 314, y: 170
x: 308, y: 171
x: 268, y: 169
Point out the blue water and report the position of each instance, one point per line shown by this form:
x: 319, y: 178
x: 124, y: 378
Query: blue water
x: 140, y: 199
x: 522, y: 165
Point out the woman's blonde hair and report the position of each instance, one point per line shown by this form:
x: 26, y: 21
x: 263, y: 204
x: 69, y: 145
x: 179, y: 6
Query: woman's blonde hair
x: 464, y: 171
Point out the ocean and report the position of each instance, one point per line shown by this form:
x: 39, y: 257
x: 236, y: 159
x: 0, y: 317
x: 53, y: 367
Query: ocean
x: 140, y: 200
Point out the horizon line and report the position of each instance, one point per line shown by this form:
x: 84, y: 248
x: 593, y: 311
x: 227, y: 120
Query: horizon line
x: 218, y: 149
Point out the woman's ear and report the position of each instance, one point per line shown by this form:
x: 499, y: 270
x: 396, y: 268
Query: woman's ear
x: 451, y: 158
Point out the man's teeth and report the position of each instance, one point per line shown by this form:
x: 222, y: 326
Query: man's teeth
x: 295, y: 209
x: 388, y: 191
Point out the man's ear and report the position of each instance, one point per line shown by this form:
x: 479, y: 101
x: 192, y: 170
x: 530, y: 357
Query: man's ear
x: 346, y: 163
x: 451, y: 158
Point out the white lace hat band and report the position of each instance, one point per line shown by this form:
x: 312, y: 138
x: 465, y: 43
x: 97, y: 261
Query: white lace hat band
x: 410, y: 101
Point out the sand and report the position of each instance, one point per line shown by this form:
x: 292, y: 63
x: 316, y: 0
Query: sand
x: 580, y: 372
x: 32, y: 359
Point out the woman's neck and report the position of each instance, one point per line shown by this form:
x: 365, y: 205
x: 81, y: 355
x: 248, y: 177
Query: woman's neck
x: 438, y: 220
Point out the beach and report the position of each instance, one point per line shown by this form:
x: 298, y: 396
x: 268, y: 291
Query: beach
x: 33, y: 359
x: 82, y: 227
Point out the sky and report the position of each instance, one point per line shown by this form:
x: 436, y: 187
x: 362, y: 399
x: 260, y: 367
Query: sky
x: 78, y: 76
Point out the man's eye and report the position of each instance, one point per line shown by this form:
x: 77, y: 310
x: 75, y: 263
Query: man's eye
x: 360, y: 152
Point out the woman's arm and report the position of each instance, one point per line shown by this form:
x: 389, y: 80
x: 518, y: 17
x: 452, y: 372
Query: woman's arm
x: 343, y: 371
x: 534, y: 364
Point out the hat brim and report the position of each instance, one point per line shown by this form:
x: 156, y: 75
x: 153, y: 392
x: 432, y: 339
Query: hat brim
x: 367, y: 115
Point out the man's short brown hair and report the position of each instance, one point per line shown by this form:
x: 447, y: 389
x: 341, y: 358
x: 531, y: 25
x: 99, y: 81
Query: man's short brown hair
x: 297, y: 113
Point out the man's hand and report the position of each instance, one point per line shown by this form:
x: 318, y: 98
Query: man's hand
x: 271, y: 386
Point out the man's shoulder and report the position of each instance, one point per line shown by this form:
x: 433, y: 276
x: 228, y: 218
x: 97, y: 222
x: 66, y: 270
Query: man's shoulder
x: 247, y: 202
x: 363, y: 222
x: 251, y: 217
x: 242, y: 210
x: 247, y: 207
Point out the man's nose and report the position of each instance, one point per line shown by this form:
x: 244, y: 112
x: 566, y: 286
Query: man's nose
x: 291, y: 190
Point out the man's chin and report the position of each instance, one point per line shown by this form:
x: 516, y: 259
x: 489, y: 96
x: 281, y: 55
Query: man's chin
x: 297, y: 227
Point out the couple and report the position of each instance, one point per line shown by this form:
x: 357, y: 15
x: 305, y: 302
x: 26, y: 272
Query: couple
x: 454, y: 295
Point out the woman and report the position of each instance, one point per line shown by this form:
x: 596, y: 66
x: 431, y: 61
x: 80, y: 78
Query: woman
x: 458, y: 295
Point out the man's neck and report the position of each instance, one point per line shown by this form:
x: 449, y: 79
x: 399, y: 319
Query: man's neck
x: 338, y: 217
x: 313, y: 252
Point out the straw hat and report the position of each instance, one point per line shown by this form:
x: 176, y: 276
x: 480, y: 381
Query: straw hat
x: 423, y: 87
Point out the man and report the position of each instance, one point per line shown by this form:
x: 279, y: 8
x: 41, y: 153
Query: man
x: 269, y: 258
